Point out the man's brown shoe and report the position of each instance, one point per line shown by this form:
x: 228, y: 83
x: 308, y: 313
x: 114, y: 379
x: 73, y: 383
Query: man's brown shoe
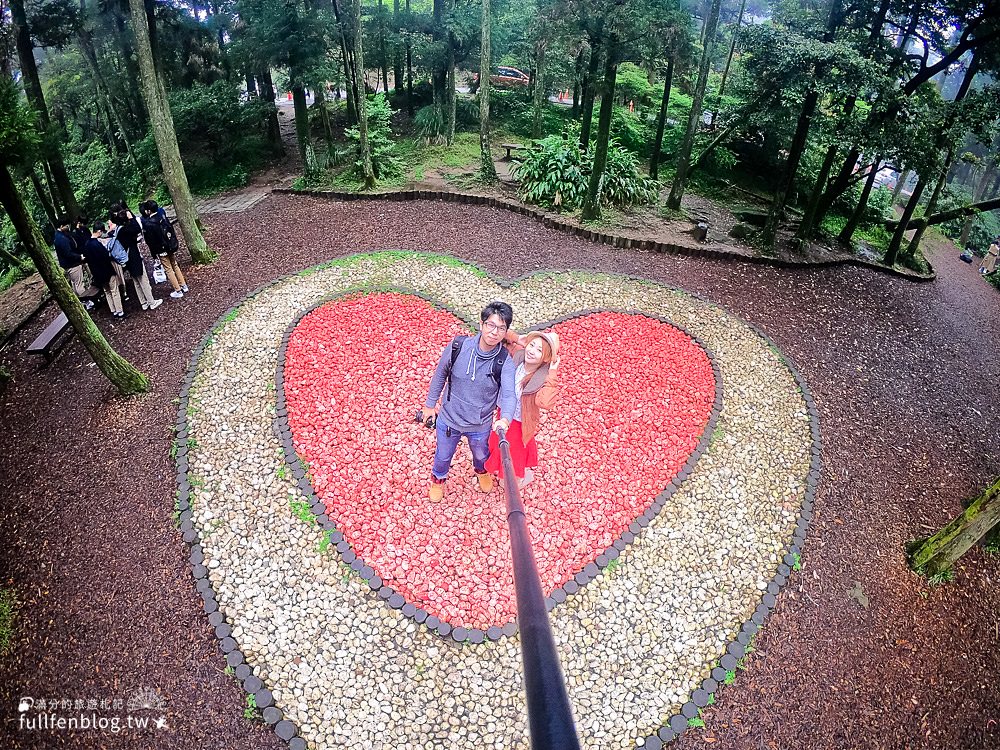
x: 436, y: 492
x: 485, y: 482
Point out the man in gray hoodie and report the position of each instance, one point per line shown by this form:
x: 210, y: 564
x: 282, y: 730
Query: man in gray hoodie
x: 469, y: 390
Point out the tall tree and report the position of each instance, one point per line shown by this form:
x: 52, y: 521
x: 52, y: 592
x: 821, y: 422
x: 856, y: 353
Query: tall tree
x: 17, y: 145
x: 487, y: 171
x: 591, y: 208
x: 155, y: 96
x: 661, y: 120
x: 694, y: 120
x: 367, y: 172
x: 33, y: 89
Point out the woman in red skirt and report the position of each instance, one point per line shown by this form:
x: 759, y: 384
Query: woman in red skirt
x: 536, y: 389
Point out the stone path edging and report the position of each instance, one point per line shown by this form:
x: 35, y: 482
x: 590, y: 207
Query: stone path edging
x: 288, y: 731
x: 581, y: 578
x: 556, y: 222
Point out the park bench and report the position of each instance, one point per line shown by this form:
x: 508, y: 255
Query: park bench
x: 508, y: 147
x: 50, y: 341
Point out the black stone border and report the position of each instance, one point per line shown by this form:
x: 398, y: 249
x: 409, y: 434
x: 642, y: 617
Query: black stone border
x: 556, y: 221
x: 580, y: 578
x: 675, y: 725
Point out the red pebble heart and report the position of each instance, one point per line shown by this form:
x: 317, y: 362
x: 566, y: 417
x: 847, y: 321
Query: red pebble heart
x: 636, y: 396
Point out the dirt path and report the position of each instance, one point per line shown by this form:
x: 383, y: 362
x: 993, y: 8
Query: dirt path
x: 898, y: 371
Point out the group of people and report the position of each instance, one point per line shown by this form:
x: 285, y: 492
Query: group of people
x: 989, y: 263
x: 493, y: 380
x: 112, y: 249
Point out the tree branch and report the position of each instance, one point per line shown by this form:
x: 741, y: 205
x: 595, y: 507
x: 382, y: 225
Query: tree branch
x: 954, y: 213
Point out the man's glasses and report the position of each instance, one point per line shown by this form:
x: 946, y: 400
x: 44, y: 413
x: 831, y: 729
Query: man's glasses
x: 494, y: 327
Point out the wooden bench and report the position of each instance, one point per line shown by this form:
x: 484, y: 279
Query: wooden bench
x: 508, y: 147
x: 51, y: 340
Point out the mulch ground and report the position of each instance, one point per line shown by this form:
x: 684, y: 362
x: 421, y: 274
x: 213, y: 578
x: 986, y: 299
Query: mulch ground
x: 904, y: 376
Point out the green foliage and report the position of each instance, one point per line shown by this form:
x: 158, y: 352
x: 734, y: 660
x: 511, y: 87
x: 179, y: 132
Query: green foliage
x: 8, y: 605
x: 553, y: 175
x: 222, y: 139
x: 385, y: 160
x: 301, y: 510
x: 632, y: 84
x: 985, y: 226
x: 624, y: 185
x: 100, y: 178
x: 429, y: 122
x: 556, y: 173
x: 18, y: 134
x: 250, y: 710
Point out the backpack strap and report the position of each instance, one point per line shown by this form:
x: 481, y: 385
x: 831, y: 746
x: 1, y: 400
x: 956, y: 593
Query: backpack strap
x: 498, y: 363
x: 456, y: 348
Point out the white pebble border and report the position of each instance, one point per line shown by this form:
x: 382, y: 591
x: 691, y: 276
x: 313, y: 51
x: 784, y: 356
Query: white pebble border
x: 332, y: 665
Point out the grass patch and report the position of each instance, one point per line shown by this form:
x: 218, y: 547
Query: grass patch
x: 8, y: 605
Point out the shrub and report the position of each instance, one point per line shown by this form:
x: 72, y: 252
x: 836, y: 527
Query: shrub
x: 100, y: 178
x: 624, y: 184
x: 633, y: 84
x: 385, y: 161
x: 553, y: 175
x: 429, y: 123
x: 879, y: 204
x: 556, y: 175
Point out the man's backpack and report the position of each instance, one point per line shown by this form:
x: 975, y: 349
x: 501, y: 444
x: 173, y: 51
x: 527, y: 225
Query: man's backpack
x: 116, y: 250
x: 495, y: 370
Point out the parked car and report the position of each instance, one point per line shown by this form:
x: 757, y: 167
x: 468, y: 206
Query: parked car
x: 507, y: 77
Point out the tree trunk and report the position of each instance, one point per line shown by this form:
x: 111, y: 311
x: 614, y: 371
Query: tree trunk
x: 911, y: 249
x: 661, y: 121
x: 409, y: 68
x: 487, y: 171
x: 382, y: 49
x: 267, y: 94
x: 980, y: 190
x: 123, y: 375
x: 166, y: 140
x: 591, y: 209
x: 847, y: 233
x: 47, y: 207
x: 350, y: 76
x: 51, y: 190
x: 812, y: 217
x: 953, y: 213
x: 795, y: 151
x: 590, y: 91
x: 367, y: 172
x: 452, y: 99
x: 33, y: 90
x: 577, y: 80
x: 86, y: 44
x: 901, y: 181
x: 397, y: 54
x: 729, y: 58
x: 301, y: 110
x: 538, y: 95
x: 24, y: 266
x: 940, y: 552
x: 324, y: 114
x: 684, y: 157
x: 251, y: 84
x: 897, y: 237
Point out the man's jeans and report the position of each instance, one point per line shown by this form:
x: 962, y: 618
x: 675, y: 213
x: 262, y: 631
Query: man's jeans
x: 444, y: 451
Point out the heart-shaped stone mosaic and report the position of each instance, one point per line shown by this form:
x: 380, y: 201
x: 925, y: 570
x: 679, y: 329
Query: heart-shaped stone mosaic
x: 667, y: 610
x: 636, y: 394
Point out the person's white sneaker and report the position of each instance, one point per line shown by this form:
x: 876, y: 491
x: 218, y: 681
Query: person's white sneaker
x: 88, y: 305
x: 155, y: 304
x: 145, y: 306
x: 184, y: 288
x: 177, y: 294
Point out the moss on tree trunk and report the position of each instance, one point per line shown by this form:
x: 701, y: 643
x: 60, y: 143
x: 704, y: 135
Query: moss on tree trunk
x: 938, y: 553
x: 155, y: 96
x: 126, y: 378
x: 487, y: 171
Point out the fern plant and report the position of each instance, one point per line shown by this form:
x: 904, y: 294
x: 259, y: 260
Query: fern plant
x: 552, y: 174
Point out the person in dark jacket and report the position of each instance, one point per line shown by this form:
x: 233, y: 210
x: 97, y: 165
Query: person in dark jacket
x: 162, y: 243
x: 125, y: 228
x: 102, y: 270
x: 81, y: 233
x: 71, y: 260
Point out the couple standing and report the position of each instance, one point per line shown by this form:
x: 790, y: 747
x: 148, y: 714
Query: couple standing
x: 474, y: 376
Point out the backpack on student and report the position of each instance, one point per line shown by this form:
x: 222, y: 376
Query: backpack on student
x: 117, y: 250
x: 456, y: 348
x: 170, y: 242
